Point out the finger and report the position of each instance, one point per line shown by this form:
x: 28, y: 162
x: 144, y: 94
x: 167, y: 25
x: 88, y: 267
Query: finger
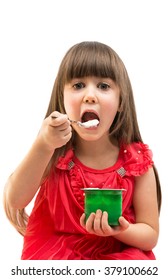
x: 54, y: 115
x: 57, y: 119
x: 123, y: 223
x: 82, y: 220
x: 97, y: 222
x: 65, y: 126
x: 106, y: 228
x: 89, y: 223
x: 67, y: 132
x: 66, y: 138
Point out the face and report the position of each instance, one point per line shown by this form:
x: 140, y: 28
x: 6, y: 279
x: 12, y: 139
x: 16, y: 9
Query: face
x: 92, y: 98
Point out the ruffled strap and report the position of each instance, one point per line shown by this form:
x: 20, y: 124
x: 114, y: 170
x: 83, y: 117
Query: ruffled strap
x: 65, y: 162
x: 137, y: 159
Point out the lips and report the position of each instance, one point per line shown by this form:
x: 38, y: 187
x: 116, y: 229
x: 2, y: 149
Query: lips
x: 89, y: 115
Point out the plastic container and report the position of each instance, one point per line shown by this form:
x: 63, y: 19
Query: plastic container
x: 109, y: 200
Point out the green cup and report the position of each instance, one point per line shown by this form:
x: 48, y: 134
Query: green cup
x: 109, y: 200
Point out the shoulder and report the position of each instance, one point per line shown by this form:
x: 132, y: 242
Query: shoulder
x: 65, y: 162
x: 137, y: 158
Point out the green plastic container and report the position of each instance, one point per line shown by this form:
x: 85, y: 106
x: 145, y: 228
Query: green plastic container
x: 109, y: 200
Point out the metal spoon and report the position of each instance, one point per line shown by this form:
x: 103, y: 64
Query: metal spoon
x: 88, y: 124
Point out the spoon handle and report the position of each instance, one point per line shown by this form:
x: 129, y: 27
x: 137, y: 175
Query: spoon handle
x: 72, y: 121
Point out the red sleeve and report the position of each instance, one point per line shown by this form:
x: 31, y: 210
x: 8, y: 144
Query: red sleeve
x: 137, y: 158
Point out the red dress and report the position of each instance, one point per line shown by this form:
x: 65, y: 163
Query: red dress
x: 54, y: 231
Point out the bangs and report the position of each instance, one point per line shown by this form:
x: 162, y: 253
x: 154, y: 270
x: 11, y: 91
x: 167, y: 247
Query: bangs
x: 89, y: 59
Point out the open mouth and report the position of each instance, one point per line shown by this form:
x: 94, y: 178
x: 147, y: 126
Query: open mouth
x: 88, y: 116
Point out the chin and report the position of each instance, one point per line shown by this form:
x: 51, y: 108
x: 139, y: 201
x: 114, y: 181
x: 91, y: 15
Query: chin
x: 90, y: 137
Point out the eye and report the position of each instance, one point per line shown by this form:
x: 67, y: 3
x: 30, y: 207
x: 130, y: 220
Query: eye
x: 78, y: 85
x: 103, y: 86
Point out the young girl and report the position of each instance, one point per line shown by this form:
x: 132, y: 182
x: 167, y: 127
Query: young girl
x: 92, y: 83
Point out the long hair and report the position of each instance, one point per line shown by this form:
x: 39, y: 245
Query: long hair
x: 96, y: 59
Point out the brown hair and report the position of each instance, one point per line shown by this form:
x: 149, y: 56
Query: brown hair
x: 96, y: 59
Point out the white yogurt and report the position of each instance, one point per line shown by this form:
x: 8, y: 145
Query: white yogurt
x: 88, y: 124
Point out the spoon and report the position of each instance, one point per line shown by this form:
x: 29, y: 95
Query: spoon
x: 88, y: 124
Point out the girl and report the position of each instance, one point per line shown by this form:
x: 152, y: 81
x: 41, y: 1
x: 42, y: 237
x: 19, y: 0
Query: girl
x: 92, y: 83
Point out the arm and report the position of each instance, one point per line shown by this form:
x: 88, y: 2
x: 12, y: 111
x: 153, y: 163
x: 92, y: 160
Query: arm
x: 23, y: 184
x: 144, y: 233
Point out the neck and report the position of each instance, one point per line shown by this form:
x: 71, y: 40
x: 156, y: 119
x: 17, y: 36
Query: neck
x: 98, y: 154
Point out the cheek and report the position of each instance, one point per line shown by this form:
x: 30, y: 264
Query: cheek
x: 110, y: 110
x: 69, y: 103
x: 112, y: 106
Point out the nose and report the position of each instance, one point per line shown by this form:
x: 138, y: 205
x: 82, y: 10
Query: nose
x: 89, y: 100
x: 90, y: 97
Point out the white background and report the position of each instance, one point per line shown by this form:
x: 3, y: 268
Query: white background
x: 34, y: 36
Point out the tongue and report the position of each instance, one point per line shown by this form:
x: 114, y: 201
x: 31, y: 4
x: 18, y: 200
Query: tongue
x: 89, y: 116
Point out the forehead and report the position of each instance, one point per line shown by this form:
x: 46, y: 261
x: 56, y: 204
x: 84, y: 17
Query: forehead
x: 84, y: 62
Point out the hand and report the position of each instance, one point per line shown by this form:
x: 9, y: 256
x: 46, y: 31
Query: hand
x: 55, y: 132
x: 97, y: 223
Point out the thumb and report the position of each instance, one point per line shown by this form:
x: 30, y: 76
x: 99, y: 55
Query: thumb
x: 123, y: 222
